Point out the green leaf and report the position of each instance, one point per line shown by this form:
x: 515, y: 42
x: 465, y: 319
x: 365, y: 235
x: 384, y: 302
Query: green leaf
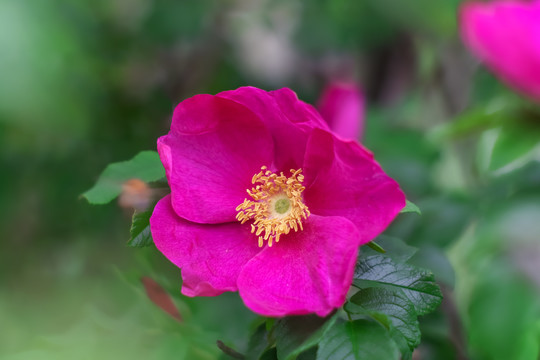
x: 410, y: 207
x: 435, y: 260
x: 376, y: 247
x: 269, y: 354
x: 502, y: 313
x: 500, y: 108
x: 145, y: 166
x: 472, y: 121
x: 444, y: 218
x: 270, y: 323
x: 394, y: 248
x: 417, y: 284
x: 411, y: 16
x: 514, y: 146
x: 258, y: 343
x: 357, y: 340
x: 309, y: 354
x: 295, y: 334
x: 140, y: 229
x: 396, y: 307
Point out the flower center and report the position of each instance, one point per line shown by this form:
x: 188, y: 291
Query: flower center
x: 282, y: 205
x: 277, y: 205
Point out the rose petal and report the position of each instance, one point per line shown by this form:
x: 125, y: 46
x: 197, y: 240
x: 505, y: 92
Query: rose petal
x: 210, y: 256
x: 306, y: 272
x: 506, y: 36
x: 342, y: 106
x: 289, y: 120
x: 343, y: 179
x: 214, y: 148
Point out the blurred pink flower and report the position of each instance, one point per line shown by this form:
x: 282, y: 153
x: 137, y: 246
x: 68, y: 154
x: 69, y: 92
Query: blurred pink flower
x: 267, y: 201
x: 342, y: 106
x: 506, y: 36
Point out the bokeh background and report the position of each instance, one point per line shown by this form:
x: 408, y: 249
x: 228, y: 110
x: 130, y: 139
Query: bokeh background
x: 84, y: 83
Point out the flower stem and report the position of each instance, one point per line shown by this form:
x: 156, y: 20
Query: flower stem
x: 229, y: 351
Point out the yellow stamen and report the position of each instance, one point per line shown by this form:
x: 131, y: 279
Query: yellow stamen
x: 277, y: 205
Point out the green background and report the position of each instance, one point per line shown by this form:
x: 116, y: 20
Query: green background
x: 86, y: 83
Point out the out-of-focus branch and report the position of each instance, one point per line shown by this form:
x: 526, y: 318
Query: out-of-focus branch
x: 456, y: 327
x: 229, y: 351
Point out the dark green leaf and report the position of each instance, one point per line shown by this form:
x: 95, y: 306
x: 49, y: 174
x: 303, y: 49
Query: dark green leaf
x: 140, y: 229
x: 295, y: 334
x: 410, y: 207
x: 258, y: 343
x: 145, y: 166
x: 309, y: 354
x: 269, y: 354
x: 357, y: 340
x: 417, y: 284
x: 411, y: 16
x: 378, y: 302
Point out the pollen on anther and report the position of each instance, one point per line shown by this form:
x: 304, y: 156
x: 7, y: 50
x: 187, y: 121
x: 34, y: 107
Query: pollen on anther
x: 272, y: 189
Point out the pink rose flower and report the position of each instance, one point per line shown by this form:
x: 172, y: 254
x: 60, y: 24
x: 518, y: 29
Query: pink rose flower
x: 506, y: 36
x: 267, y: 201
x: 342, y: 106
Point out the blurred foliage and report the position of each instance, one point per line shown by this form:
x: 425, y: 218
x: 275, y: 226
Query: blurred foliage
x: 87, y: 83
x: 145, y: 166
